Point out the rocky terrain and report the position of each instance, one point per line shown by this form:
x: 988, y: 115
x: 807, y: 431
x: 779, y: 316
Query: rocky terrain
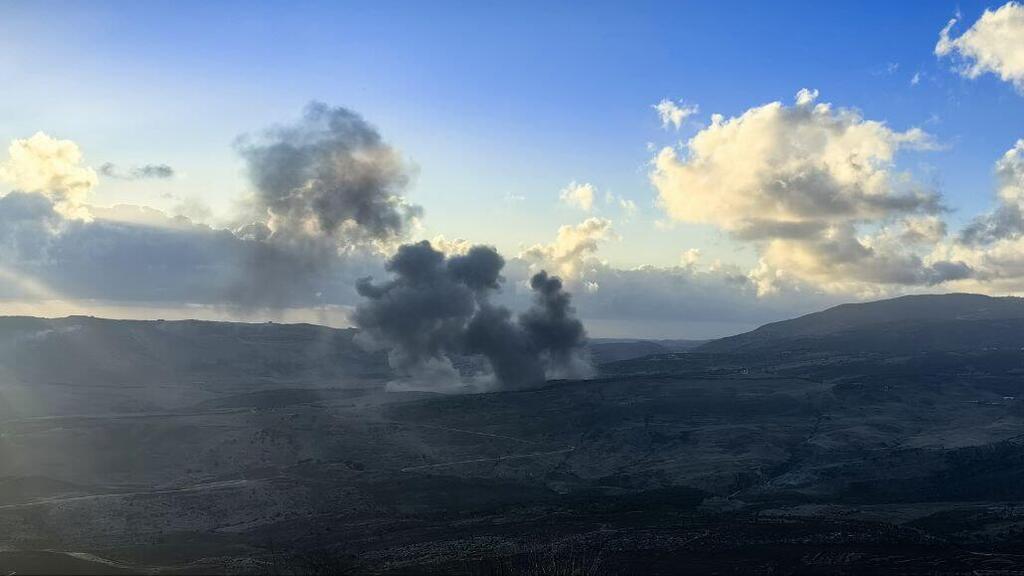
x: 883, y: 438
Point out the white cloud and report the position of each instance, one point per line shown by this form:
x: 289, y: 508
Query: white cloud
x: 1006, y: 221
x: 1010, y: 174
x: 994, y: 44
x: 993, y: 243
x: 690, y: 257
x: 579, y: 195
x: 453, y: 247
x: 841, y: 261
x: 572, y: 247
x: 788, y: 165
x: 800, y: 183
x: 51, y: 167
x: 805, y: 96
x: 922, y: 230
x: 674, y: 114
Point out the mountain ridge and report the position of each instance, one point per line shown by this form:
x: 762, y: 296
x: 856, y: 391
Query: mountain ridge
x: 930, y: 321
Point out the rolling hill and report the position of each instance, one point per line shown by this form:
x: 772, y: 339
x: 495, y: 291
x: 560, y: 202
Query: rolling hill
x: 947, y: 322
x: 205, y: 447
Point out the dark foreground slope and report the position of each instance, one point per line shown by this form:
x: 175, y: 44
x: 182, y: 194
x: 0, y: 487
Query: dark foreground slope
x: 700, y: 462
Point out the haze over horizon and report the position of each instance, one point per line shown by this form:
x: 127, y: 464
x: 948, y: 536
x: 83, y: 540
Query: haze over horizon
x: 685, y: 175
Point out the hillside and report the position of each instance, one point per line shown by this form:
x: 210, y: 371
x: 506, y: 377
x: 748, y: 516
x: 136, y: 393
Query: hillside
x: 199, y: 447
x: 79, y: 348
x: 946, y: 322
x: 83, y: 364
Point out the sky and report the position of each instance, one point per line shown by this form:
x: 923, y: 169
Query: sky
x: 691, y: 169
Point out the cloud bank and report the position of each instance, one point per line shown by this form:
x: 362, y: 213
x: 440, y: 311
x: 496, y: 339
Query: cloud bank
x: 327, y: 201
x: 813, y: 190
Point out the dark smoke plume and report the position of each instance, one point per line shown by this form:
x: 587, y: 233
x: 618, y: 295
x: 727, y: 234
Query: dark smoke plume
x: 551, y: 323
x: 326, y: 186
x: 436, y: 308
x: 331, y: 174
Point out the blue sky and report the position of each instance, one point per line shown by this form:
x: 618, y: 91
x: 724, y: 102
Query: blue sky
x: 498, y: 105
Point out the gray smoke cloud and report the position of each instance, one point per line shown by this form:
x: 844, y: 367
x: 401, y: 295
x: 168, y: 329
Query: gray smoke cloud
x: 324, y: 187
x: 330, y: 173
x: 552, y: 326
x: 436, y: 308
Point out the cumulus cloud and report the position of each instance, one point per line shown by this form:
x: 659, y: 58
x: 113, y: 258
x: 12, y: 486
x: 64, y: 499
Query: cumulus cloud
x: 572, y: 247
x: 673, y: 113
x: 690, y: 257
x: 579, y: 195
x: 453, y: 247
x: 922, y: 230
x: 53, y: 168
x: 1007, y: 220
x: 993, y: 244
x: 436, y: 307
x: 144, y: 172
x: 994, y: 44
x: 799, y: 182
x: 806, y: 97
x: 778, y: 164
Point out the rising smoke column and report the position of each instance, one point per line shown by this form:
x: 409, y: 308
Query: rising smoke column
x: 325, y: 186
x: 420, y: 314
x: 553, y: 327
x: 513, y: 357
x: 436, y: 307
